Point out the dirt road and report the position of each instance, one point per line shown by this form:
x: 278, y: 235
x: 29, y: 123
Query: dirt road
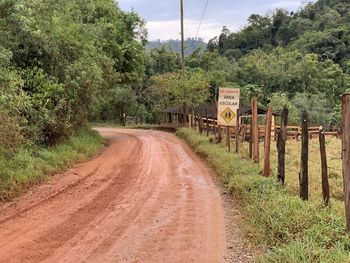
x: 145, y: 198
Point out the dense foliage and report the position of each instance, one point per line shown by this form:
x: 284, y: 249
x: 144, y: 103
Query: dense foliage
x: 58, y: 58
x: 65, y: 62
x: 304, y: 55
x: 299, y: 59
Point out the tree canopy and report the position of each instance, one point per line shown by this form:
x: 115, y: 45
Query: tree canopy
x: 59, y: 57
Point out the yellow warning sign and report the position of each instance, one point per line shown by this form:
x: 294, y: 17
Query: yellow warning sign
x: 228, y: 105
x: 228, y: 115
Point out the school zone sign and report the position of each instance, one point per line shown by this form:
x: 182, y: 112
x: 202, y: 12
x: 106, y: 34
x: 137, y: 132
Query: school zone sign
x: 228, y: 106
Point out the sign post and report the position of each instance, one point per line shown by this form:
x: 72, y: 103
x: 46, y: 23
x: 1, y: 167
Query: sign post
x: 228, y: 106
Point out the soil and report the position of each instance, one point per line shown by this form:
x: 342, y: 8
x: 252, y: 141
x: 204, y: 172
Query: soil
x: 146, y: 198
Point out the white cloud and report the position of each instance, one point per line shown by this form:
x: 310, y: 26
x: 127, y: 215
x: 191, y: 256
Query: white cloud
x: 171, y: 29
x: 290, y: 5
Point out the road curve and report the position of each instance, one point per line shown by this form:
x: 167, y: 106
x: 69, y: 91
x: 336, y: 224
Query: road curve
x: 145, y: 198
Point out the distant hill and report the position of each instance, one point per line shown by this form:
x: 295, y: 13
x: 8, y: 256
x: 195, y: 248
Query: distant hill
x: 191, y: 45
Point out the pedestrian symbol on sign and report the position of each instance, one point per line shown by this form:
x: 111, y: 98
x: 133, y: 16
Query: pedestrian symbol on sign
x: 228, y: 115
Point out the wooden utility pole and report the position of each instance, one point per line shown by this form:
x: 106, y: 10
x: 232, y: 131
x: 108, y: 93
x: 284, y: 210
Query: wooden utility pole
x: 267, y: 142
x: 183, y: 56
x: 281, y: 146
x: 255, y: 129
x: 304, y: 169
x: 346, y: 155
x: 325, y: 183
x: 182, y: 38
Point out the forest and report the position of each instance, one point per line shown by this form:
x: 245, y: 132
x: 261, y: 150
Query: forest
x: 191, y: 44
x: 299, y: 59
x: 66, y: 63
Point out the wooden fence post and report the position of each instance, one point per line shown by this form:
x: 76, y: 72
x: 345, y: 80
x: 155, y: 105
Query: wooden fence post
x: 237, y: 133
x: 281, y: 146
x: 214, y: 128
x: 203, y: 126
x: 192, y: 118
x: 267, y: 142
x: 346, y: 155
x: 228, y: 139
x: 255, y: 125
x: 219, y: 134
x: 200, y: 124
x: 325, y: 183
x: 195, y: 122
x: 206, y: 118
x: 304, y: 170
x: 251, y: 139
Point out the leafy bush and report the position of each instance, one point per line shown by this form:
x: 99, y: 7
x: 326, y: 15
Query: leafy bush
x: 47, y: 109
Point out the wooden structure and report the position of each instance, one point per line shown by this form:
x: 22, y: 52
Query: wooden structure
x: 304, y: 160
x: 174, y: 116
x: 267, y: 143
x: 346, y: 155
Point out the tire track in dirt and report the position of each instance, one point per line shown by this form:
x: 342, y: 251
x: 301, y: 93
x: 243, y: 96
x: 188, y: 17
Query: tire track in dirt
x: 145, y: 198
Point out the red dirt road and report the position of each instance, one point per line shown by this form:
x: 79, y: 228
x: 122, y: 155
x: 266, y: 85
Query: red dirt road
x: 145, y: 198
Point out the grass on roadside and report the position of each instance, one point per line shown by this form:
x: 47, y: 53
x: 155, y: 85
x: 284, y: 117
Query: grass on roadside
x: 286, y: 228
x: 31, y: 165
x: 293, y: 152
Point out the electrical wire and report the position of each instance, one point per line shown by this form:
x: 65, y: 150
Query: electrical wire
x: 202, y: 18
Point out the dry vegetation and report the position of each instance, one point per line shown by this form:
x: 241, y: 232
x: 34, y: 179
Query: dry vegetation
x: 293, y: 151
x: 286, y: 228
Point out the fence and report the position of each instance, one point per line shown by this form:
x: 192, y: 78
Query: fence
x: 302, y: 135
x: 293, y: 132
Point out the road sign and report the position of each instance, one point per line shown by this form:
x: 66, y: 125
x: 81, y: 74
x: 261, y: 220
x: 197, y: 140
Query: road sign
x: 228, y: 105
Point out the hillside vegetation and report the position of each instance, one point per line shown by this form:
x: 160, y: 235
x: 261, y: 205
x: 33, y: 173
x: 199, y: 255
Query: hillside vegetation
x: 299, y: 59
x: 191, y: 45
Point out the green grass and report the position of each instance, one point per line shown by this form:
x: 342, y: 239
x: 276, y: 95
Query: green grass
x: 31, y: 165
x: 293, y: 150
x: 284, y: 227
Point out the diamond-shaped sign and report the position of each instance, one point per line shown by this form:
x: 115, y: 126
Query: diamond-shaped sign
x: 228, y: 115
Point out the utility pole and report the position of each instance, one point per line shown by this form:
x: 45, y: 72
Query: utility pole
x: 183, y: 58
x: 182, y: 38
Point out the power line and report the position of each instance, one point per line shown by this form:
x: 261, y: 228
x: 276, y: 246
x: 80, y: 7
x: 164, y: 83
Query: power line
x: 202, y: 18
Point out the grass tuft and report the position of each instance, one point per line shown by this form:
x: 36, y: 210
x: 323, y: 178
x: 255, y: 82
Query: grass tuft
x: 31, y: 165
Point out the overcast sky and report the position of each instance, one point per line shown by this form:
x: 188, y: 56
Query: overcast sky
x: 162, y: 16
